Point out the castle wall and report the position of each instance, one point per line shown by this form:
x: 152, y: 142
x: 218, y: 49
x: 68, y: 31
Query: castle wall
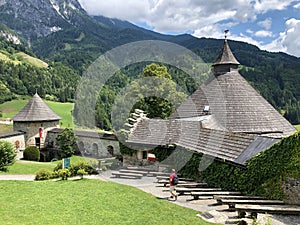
x: 17, y: 140
x: 91, y: 146
x: 32, y: 130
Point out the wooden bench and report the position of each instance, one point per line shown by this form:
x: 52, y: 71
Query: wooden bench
x: 232, y: 202
x: 183, y: 190
x: 219, y: 198
x: 155, y: 174
x: 271, y: 209
x: 144, y: 173
x: 167, y: 178
x: 140, y: 168
x: 196, y: 195
x: 127, y: 175
x: 167, y: 182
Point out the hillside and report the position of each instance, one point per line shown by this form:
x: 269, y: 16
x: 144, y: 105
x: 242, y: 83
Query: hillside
x: 65, y: 33
x: 22, y: 73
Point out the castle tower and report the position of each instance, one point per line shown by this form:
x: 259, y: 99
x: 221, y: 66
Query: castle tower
x: 35, y: 119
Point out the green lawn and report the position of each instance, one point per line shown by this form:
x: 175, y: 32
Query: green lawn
x: 86, y: 202
x: 30, y: 167
x: 297, y: 127
x: 64, y: 110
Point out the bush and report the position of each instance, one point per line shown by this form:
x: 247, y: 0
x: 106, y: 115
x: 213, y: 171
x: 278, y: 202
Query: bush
x: 64, y: 174
x: 7, y: 155
x: 43, y: 174
x: 32, y: 153
x: 82, y: 165
x: 81, y: 172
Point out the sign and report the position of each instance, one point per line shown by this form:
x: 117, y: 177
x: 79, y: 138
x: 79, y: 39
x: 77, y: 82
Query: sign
x: 66, y: 163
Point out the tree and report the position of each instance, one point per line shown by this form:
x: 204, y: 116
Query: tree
x: 160, y: 94
x: 155, y: 93
x: 67, y: 142
x: 7, y: 155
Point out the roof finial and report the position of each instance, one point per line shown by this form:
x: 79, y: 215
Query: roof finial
x: 226, y: 31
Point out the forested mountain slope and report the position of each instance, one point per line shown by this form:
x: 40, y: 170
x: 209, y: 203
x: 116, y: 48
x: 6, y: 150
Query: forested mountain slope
x: 61, y: 31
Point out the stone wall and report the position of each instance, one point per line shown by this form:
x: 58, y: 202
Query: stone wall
x: 291, y: 188
x: 17, y: 140
x: 90, y: 146
x: 32, y: 130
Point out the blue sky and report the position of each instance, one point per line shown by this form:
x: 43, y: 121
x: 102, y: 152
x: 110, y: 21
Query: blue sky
x: 272, y: 25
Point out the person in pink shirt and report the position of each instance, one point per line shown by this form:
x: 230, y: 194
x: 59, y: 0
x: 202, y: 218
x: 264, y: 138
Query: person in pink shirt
x: 173, y: 183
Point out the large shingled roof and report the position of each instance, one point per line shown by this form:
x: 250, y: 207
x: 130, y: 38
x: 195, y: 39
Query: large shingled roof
x: 225, y: 118
x: 36, y: 110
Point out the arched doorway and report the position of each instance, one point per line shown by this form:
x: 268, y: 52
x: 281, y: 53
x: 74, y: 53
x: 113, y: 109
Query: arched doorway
x: 110, y: 150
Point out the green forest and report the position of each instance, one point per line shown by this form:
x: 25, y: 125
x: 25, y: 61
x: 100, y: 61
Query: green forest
x: 276, y: 76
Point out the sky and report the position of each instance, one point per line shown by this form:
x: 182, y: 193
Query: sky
x: 272, y: 25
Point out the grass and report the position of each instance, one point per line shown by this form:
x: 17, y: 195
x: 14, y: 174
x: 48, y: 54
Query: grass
x: 297, y: 127
x: 28, y: 167
x: 64, y: 110
x: 4, y: 129
x: 86, y: 202
x: 23, y: 57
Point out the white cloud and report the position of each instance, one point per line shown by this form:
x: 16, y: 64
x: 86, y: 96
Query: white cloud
x: 263, y: 33
x: 288, y: 41
x: 173, y: 15
x: 266, y: 5
x: 291, y: 37
x: 297, y: 6
x: 267, y: 23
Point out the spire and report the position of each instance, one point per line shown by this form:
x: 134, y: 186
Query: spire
x: 226, y: 57
x: 226, y: 62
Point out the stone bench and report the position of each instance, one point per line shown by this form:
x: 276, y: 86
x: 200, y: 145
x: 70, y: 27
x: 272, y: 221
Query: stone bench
x: 232, y: 202
x: 167, y: 178
x: 196, y: 195
x: 183, y: 190
x: 127, y: 175
x: 144, y: 173
x: 219, y: 198
x: 242, y: 209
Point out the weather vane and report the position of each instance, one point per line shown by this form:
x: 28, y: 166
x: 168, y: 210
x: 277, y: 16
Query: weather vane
x: 226, y: 31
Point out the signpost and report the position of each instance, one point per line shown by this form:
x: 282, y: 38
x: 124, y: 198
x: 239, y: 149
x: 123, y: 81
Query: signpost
x: 66, y: 163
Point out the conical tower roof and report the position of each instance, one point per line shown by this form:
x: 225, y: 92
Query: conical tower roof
x: 234, y: 104
x: 226, y: 56
x: 36, y: 110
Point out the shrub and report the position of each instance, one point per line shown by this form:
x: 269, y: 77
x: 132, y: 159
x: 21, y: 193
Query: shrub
x: 43, y: 174
x: 82, y: 165
x: 81, y: 172
x: 64, y: 173
x: 7, y: 155
x: 32, y: 153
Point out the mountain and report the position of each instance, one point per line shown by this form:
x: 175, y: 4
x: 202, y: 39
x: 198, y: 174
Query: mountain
x: 62, y: 31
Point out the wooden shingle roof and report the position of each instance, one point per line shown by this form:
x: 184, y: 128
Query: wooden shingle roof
x: 192, y: 136
x: 36, y: 110
x: 225, y: 118
x: 237, y: 106
x: 226, y: 56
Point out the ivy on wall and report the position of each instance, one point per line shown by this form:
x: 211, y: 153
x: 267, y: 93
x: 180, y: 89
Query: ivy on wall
x: 263, y: 175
